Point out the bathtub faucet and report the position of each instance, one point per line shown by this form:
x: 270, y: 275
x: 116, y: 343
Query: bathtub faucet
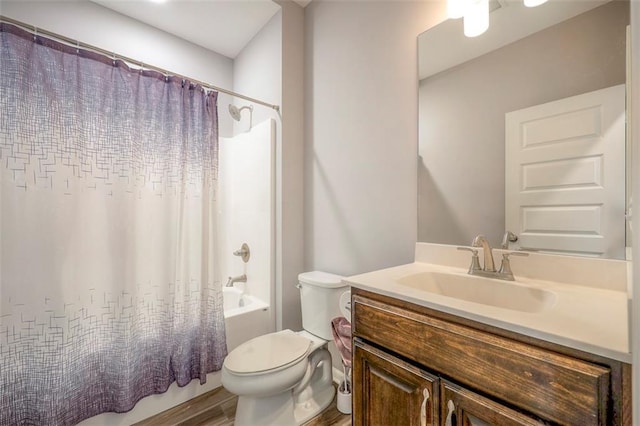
x: 239, y: 279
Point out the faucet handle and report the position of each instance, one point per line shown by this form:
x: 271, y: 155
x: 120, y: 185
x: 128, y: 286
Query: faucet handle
x: 477, y: 240
x: 244, y: 252
x: 475, y: 260
x: 505, y: 266
x: 509, y: 237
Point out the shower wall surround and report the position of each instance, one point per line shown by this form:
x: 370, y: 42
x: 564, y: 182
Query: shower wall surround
x: 246, y: 208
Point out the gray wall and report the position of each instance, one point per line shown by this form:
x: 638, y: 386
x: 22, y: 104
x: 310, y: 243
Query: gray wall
x: 361, y: 132
x: 289, y: 204
x: 461, y: 172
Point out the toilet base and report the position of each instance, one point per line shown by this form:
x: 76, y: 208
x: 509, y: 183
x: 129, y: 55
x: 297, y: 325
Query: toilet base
x: 319, y: 399
x: 290, y: 408
x: 254, y: 411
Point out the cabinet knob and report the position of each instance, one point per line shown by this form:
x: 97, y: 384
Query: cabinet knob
x: 451, y: 416
x: 423, y: 408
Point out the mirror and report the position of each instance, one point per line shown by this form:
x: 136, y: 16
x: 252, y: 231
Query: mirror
x: 528, y: 57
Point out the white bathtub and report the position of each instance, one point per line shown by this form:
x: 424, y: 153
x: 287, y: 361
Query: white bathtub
x: 245, y: 317
x: 237, y: 303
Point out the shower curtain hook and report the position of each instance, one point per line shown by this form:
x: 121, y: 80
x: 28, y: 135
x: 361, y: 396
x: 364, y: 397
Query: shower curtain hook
x: 35, y: 33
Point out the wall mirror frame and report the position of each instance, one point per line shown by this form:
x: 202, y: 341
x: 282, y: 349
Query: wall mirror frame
x: 528, y: 57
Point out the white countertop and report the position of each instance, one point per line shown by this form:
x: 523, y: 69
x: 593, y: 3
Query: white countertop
x: 587, y: 318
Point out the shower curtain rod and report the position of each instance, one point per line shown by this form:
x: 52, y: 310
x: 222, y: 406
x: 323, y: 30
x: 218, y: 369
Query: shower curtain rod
x: 38, y: 31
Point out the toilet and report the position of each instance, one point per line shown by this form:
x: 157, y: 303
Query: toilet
x: 285, y: 378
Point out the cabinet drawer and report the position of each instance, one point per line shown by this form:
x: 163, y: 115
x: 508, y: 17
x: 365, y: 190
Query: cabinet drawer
x: 550, y: 385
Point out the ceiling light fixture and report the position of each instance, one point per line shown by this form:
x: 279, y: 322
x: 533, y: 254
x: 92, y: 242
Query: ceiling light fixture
x: 476, y: 18
x: 534, y: 3
x: 476, y: 13
x: 456, y: 8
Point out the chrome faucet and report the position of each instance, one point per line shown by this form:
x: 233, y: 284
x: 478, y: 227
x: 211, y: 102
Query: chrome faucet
x: 481, y: 241
x: 239, y: 279
x: 488, y: 269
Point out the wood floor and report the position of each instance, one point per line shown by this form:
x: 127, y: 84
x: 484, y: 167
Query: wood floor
x: 218, y: 408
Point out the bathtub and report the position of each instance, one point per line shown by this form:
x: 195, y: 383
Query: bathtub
x: 237, y: 303
x: 245, y: 317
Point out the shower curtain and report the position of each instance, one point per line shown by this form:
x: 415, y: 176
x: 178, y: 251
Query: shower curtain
x: 108, y: 286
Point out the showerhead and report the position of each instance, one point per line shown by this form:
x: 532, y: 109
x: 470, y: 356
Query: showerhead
x: 236, y: 112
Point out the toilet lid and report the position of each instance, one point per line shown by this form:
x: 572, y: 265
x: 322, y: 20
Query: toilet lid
x: 267, y: 352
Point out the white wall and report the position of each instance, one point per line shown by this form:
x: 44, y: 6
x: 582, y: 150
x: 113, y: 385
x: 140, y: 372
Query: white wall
x: 361, y: 110
x: 257, y: 72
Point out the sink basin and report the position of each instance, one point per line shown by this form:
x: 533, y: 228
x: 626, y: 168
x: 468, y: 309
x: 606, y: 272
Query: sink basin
x: 486, y: 291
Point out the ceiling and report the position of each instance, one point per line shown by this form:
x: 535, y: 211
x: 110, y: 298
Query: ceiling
x: 223, y: 26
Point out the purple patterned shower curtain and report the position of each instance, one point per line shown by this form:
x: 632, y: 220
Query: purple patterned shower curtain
x: 108, y: 274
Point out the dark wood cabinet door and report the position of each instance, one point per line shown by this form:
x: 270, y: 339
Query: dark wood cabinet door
x: 388, y: 391
x: 461, y: 407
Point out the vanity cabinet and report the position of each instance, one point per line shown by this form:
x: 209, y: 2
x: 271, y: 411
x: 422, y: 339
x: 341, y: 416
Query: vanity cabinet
x: 474, y: 374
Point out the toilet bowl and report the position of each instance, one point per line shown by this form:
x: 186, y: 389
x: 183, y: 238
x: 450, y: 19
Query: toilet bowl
x: 285, y: 378
x: 267, y: 364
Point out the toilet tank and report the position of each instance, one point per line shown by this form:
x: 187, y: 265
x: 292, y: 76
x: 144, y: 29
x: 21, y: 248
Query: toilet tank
x: 319, y: 299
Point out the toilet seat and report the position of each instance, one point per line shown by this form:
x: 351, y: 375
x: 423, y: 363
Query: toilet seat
x: 268, y: 353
